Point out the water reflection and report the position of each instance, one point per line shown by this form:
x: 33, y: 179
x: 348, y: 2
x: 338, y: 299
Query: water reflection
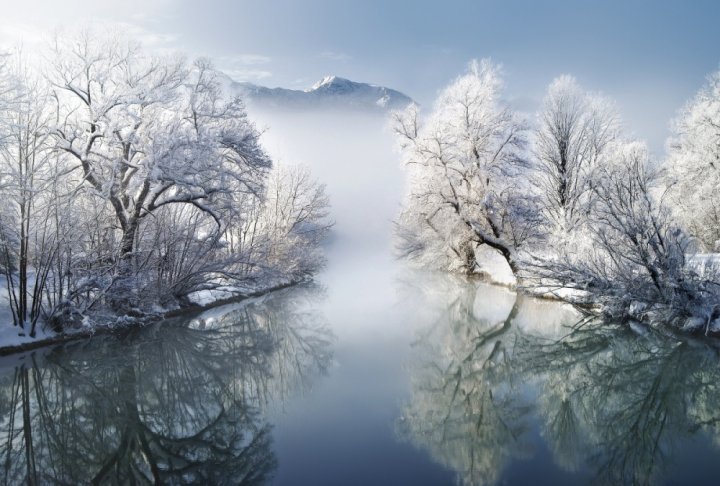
x: 465, y: 409
x: 623, y: 405
x: 490, y: 382
x: 178, y: 403
x: 498, y: 390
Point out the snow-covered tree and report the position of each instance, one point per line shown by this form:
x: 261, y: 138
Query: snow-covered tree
x: 27, y: 171
x: 693, y: 164
x: 575, y: 129
x: 148, y: 133
x: 639, y: 265
x: 131, y: 180
x: 468, y: 177
x: 292, y: 222
x: 272, y: 239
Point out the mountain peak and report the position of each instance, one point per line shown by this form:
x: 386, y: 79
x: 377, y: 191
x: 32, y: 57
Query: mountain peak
x: 337, y: 85
x: 330, y: 91
x: 327, y: 80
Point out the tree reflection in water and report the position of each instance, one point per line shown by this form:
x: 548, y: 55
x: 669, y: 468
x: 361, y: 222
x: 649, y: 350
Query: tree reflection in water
x: 464, y: 409
x: 633, y: 400
x: 179, y: 402
x: 610, y: 403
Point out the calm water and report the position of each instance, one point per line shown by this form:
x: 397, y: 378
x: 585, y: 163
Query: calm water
x: 417, y: 379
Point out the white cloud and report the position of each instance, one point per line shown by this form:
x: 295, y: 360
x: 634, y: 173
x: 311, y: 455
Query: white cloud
x: 243, y: 67
x: 12, y: 35
x: 149, y: 39
x: 241, y: 60
x: 34, y: 36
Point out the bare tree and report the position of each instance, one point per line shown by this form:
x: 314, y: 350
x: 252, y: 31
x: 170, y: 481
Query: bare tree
x: 294, y: 221
x: 148, y: 133
x: 639, y: 265
x: 131, y: 181
x: 575, y: 129
x: 468, y: 176
x: 27, y: 172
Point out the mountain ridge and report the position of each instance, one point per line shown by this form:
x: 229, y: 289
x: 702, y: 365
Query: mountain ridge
x: 330, y: 92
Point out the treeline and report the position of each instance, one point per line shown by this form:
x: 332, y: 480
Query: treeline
x: 132, y: 182
x: 576, y: 208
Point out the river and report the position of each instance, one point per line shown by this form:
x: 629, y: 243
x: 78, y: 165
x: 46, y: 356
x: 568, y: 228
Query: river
x: 422, y: 379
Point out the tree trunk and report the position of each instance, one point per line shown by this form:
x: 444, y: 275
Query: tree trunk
x: 120, y: 296
x: 497, y: 243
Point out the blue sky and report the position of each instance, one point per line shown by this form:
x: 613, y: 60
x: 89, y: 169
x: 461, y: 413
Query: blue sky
x: 651, y: 56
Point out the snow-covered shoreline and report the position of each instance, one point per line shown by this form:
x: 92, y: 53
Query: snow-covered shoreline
x: 21, y: 344
x: 493, y: 270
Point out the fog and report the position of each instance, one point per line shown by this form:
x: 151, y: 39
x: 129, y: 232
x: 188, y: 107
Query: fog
x: 375, y: 307
x: 353, y: 154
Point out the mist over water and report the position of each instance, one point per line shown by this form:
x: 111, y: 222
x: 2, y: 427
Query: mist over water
x: 353, y: 153
x: 353, y: 408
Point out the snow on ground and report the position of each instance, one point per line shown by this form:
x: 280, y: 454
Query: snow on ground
x: 491, y: 264
x: 207, y: 297
x: 14, y: 336
x: 11, y: 335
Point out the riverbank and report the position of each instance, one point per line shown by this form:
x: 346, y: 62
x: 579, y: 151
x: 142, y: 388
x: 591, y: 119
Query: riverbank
x: 134, y: 323
x: 640, y: 315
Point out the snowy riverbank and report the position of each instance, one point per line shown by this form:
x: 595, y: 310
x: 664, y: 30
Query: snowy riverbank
x: 15, y: 340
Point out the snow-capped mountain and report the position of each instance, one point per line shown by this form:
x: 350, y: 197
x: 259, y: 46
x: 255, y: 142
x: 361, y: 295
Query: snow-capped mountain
x: 330, y: 92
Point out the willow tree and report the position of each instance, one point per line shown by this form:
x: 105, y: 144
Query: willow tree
x: 468, y: 176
